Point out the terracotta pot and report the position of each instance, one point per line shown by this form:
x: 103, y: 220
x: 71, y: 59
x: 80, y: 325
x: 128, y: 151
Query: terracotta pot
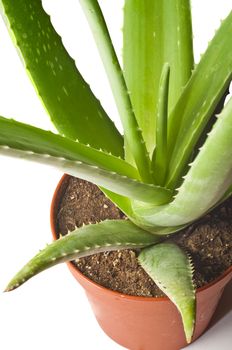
x: 142, y: 323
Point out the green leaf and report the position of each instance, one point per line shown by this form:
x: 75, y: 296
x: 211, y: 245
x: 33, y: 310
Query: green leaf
x: 105, y: 236
x: 209, y: 125
x: 131, y: 130
x: 177, y: 44
x: 160, y: 153
x: 26, y: 137
x: 111, y: 181
x: 148, y: 216
x: 205, y: 184
x: 122, y: 202
x: 197, y: 103
x: 155, y: 32
x: 227, y: 194
x: 68, y: 99
x: 22, y: 136
x: 171, y: 270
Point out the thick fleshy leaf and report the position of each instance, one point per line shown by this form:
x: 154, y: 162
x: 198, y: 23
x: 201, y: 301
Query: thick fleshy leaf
x: 227, y: 194
x: 120, y: 184
x: 155, y: 32
x: 73, y: 108
x: 132, y: 132
x: 205, y: 184
x: 171, y: 269
x: 26, y: 137
x: 22, y: 136
x: 122, y: 202
x: 90, y: 239
x: 198, y: 101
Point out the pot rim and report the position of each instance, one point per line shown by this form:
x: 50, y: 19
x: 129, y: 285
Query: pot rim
x: 98, y: 286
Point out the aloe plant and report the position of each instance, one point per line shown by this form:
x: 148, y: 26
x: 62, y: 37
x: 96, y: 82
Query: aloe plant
x: 155, y: 173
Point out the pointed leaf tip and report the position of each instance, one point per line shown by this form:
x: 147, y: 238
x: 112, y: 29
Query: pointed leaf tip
x: 171, y: 270
x: 90, y: 239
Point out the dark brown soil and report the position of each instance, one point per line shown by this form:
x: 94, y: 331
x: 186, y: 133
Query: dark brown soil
x: 208, y: 241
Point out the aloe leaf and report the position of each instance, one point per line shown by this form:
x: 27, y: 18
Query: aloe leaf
x: 160, y: 153
x: 177, y: 44
x: 227, y: 194
x: 141, y: 220
x: 26, y: 137
x: 73, y: 108
x: 155, y: 32
x: 139, y: 64
x: 199, y: 99
x: 171, y: 269
x: 120, y: 184
x: 91, y: 239
x: 132, y: 132
x: 210, y: 124
x: 122, y: 202
x: 21, y: 136
x: 205, y: 184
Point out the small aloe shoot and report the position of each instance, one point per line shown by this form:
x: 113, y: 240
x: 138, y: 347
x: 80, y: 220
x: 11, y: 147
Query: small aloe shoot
x: 160, y: 152
x: 154, y: 173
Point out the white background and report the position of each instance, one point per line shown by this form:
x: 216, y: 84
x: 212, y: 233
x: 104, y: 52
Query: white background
x: 50, y: 311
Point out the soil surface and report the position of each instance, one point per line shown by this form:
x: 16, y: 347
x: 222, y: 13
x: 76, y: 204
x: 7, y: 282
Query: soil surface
x: 209, y: 242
